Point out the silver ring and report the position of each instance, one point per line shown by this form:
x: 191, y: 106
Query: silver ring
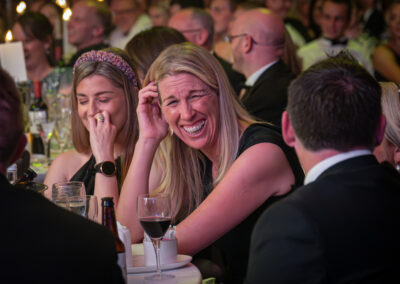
x: 99, y: 117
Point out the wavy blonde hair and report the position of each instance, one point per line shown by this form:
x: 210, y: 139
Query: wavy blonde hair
x: 183, y: 166
x: 391, y: 109
x: 130, y: 131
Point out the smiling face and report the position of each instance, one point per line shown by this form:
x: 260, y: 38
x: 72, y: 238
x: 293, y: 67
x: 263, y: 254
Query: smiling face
x: 34, y: 49
x: 191, y: 109
x: 96, y: 94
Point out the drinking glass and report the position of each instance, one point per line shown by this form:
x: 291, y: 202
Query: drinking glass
x: 77, y: 204
x: 62, y: 190
x: 154, y: 213
x: 91, y: 210
x: 46, y: 132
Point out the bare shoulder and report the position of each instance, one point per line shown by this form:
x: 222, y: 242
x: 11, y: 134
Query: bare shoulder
x: 383, y: 51
x: 65, y: 166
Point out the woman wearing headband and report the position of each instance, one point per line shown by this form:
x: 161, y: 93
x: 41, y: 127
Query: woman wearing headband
x: 104, y: 124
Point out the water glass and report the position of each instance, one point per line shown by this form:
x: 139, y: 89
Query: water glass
x: 62, y: 190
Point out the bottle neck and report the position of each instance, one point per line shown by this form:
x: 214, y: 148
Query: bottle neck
x: 37, y: 89
x: 109, y: 220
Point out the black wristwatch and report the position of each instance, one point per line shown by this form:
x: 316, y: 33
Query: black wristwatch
x: 106, y: 168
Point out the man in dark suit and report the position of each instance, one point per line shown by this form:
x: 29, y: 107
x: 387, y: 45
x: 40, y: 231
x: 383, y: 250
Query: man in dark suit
x: 343, y: 225
x: 197, y: 26
x: 41, y: 242
x: 257, y: 37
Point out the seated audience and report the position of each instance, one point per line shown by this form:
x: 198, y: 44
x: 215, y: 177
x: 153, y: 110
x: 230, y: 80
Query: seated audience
x: 386, y: 57
x: 159, y: 13
x: 257, y: 38
x: 221, y: 12
x: 41, y: 242
x: 88, y: 27
x: 209, y: 155
x: 104, y: 124
x: 335, y: 18
x: 343, y: 225
x: 296, y: 29
x: 36, y: 34
x: 389, y: 149
x: 129, y: 19
x: 144, y: 47
x: 198, y: 28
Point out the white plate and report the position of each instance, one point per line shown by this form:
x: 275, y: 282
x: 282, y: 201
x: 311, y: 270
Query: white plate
x: 138, y: 265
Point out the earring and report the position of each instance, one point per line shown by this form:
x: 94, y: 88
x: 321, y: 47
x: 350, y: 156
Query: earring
x: 171, y: 131
x: 398, y: 167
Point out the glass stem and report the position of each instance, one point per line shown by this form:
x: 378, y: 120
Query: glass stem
x: 156, y: 245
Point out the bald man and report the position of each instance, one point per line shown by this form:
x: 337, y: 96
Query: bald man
x: 257, y: 38
x: 198, y: 27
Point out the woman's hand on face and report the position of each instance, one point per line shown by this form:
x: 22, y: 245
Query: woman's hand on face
x: 152, y: 124
x: 102, y: 136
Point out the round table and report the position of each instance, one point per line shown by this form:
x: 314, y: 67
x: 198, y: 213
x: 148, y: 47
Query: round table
x: 188, y: 274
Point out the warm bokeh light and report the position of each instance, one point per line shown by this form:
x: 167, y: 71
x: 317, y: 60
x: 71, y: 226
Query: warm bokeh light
x: 61, y: 3
x: 67, y: 14
x: 21, y: 7
x: 100, y: 0
x: 9, y: 36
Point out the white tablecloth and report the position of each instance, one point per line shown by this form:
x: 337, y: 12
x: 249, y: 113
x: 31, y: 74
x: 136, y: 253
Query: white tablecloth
x: 188, y: 274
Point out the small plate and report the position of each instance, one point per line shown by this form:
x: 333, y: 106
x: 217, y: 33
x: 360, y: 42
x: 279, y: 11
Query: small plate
x: 138, y: 265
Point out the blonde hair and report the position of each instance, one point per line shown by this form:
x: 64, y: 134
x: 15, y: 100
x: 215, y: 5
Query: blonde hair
x: 391, y: 109
x: 183, y: 167
x: 130, y: 131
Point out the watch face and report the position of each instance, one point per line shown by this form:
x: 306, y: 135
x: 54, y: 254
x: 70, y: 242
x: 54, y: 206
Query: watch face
x: 108, y: 168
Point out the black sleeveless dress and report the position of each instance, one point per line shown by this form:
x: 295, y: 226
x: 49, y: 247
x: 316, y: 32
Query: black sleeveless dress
x: 87, y: 174
x: 233, y: 247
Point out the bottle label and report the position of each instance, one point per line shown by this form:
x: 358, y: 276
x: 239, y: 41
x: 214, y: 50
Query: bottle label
x: 122, y: 264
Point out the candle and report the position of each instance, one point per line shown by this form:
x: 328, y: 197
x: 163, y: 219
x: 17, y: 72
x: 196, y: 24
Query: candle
x: 9, y: 36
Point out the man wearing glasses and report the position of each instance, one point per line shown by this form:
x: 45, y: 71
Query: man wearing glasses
x: 257, y: 40
x: 197, y: 26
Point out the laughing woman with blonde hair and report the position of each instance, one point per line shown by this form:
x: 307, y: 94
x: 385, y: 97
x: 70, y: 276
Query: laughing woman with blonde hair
x: 220, y: 166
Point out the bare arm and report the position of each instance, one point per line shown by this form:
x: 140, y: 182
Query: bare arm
x: 248, y: 183
x: 385, y: 63
x: 140, y: 178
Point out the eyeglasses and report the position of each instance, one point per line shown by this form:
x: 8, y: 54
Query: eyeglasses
x: 229, y: 38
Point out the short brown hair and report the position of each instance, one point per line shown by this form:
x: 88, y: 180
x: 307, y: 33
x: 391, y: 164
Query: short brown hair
x: 335, y: 104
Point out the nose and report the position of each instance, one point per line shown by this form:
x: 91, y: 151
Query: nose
x: 92, y: 108
x: 186, y: 110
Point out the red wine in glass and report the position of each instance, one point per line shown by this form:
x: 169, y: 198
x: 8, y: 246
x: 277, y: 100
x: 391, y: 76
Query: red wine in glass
x: 155, y: 227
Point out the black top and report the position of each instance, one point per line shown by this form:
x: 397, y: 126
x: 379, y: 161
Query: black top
x: 87, y: 174
x: 378, y: 76
x: 234, y: 245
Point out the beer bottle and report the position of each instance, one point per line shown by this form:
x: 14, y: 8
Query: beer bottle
x: 109, y: 220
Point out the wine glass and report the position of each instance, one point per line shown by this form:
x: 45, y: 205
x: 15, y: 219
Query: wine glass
x: 154, y: 214
x: 46, y: 132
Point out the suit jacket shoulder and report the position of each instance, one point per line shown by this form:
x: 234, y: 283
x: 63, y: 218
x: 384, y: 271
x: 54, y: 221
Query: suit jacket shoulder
x: 347, y: 221
x: 44, y: 243
x: 267, y: 99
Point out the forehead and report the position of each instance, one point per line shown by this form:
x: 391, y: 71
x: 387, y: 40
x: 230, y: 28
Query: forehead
x: 335, y: 9
x: 181, y: 20
x: 180, y: 84
x: 220, y: 4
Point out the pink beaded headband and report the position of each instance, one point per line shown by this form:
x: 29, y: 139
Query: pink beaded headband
x: 109, y: 57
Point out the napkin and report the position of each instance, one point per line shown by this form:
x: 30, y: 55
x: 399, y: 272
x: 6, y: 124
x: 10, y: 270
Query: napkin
x: 125, y: 236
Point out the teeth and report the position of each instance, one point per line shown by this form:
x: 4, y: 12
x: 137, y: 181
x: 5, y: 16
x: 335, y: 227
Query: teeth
x: 193, y: 129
